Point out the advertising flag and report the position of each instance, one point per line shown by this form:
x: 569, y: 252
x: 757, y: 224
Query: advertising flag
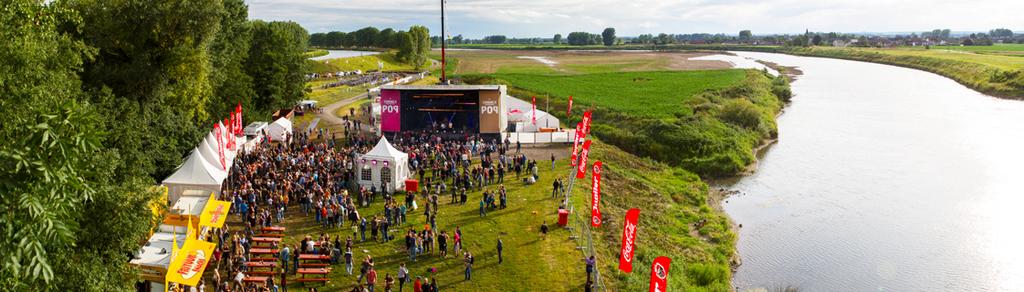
x: 189, y: 263
x: 575, y: 144
x: 238, y: 112
x: 215, y: 213
x: 586, y: 123
x: 581, y: 169
x: 628, y: 240
x: 659, y: 274
x: 534, y: 104
x: 220, y: 146
x: 568, y: 112
x: 595, y: 192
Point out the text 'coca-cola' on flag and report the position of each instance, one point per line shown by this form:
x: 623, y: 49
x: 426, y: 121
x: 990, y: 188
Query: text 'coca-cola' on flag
x: 629, y: 226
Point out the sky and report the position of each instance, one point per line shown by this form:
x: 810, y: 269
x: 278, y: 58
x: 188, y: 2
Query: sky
x: 544, y: 18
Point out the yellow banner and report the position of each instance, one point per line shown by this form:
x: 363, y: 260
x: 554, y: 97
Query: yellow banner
x: 215, y: 213
x: 188, y: 265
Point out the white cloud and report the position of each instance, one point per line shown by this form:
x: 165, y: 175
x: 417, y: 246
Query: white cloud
x: 530, y: 18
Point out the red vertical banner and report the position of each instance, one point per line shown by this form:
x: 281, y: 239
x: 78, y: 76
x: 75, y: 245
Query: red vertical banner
x: 628, y: 240
x: 575, y: 144
x: 229, y: 138
x: 581, y: 168
x: 568, y: 111
x: 238, y: 109
x: 595, y: 192
x: 659, y: 274
x: 534, y: 104
x: 586, y: 123
x: 220, y: 145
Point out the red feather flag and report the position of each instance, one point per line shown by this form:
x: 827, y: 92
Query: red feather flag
x: 628, y: 240
x: 568, y: 112
x: 659, y: 274
x: 534, y: 104
x: 575, y: 144
x: 595, y: 192
x: 581, y: 169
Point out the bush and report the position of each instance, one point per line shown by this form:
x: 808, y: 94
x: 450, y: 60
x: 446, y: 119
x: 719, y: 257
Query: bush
x: 706, y: 275
x: 741, y: 112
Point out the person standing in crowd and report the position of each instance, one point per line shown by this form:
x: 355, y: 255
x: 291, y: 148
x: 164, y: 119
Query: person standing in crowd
x: 590, y: 262
x: 552, y: 161
x: 284, y: 258
x: 469, y: 265
x: 417, y: 286
x: 371, y: 279
x: 499, y: 248
x: 348, y: 260
x: 403, y: 276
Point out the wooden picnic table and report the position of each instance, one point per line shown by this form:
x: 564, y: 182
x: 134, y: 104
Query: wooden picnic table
x: 321, y: 275
x: 261, y: 264
x: 256, y: 279
x: 262, y: 251
x: 270, y: 235
x: 314, y: 257
x: 280, y: 229
x: 266, y: 239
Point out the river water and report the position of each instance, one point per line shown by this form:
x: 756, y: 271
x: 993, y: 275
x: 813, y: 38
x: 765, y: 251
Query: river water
x: 334, y: 54
x: 884, y: 179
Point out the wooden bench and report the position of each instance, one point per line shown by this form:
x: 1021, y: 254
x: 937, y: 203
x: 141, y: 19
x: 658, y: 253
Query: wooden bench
x: 312, y: 265
x: 263, y: 260
x: 262, y: 273
x: 270, y: 235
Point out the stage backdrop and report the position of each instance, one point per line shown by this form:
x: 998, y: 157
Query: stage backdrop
x: 390, y: 111
x: 490, y: 111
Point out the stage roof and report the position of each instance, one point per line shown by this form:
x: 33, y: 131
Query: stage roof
x: 442, y: 87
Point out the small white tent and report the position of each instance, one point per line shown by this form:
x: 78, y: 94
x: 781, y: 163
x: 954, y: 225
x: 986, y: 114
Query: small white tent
x: 194, y: 174
x: 383, y: 164
x: 208, y: 150
x: 279, y: 129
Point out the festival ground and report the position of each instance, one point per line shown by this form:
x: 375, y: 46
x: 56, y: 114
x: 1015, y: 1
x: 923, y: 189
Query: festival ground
x: 532, y: 262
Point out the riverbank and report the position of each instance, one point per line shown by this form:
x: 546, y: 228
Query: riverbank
x: 655, y: 155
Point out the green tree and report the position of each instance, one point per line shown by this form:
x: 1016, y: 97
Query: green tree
x: 664, y: 39
x: 608, y: 36
x: 335, y: 39
x: 557, y: 39
x: 277, y: 65
x: 746, y: 35
x: 406, y: 46
x: 387, y: 39
x: 67, y: 222
x: 421, y: 38
x: 228, y: 54
x: 366, y: 37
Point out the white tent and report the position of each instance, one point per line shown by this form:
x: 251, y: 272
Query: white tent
x: 279, y: 129
x: 521, y: 113
x: 194, y: 174
x: 229, y: 155
x: 383, y: 164
x: 208, y: 150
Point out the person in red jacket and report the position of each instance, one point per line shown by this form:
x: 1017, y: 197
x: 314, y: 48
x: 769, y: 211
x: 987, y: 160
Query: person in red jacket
x: 417, y: 286
x: 371, y: 279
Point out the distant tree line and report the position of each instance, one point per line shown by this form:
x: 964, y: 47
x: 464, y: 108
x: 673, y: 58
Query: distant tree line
x: 412, y: 45
x: 101, y: 99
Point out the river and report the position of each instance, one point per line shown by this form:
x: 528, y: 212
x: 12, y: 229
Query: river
x: 334, y: 54
x: 884, y: 179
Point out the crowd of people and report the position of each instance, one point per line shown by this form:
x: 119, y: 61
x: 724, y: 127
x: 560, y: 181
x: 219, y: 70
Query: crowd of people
x: 319, y: 177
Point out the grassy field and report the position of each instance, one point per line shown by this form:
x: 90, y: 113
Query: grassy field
x: 658, y: 94
x: 995, y: 74
x: 316, y: 53
x: 1008, y: 49
x: 364, y: 63
x: 572, y: 61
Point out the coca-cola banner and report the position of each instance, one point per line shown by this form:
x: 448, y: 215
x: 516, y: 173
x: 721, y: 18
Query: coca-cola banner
x: 628, y: 240
x: 220, y: 145
x: 595, y: 192
x: 586, y: 123
x: 238, y: 110
x: 568, y: 111
x: 581, y: 169
x: 659, y: 274
x: 534, y: 104
x: 390, y: 110
x: 575, y: 145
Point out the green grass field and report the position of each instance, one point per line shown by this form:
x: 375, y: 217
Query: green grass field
x: 998, y: 48
x: 364, y: 63
x: 657, y: 94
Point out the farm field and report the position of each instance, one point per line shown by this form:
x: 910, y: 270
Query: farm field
x: 573, y: 61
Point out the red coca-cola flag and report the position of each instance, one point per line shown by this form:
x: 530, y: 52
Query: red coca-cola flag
x: 659, y: 274
x: 586, y: 123
x: 220, y: 145
x: 628, y: 240
x: 575, y: 144
x: 238, y: 111
x: 534, y: 104
x: 595, y: 192
x: 568, y: 112
x: 581, y: 169
x: 230, y: 133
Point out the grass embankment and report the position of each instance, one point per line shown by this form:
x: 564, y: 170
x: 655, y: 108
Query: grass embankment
x: 994, y: 74
x: 316, y: 53
x: 705, y: 121
x: 364, y: 63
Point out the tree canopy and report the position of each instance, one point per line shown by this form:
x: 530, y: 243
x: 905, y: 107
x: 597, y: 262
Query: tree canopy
x: 608, y: 36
